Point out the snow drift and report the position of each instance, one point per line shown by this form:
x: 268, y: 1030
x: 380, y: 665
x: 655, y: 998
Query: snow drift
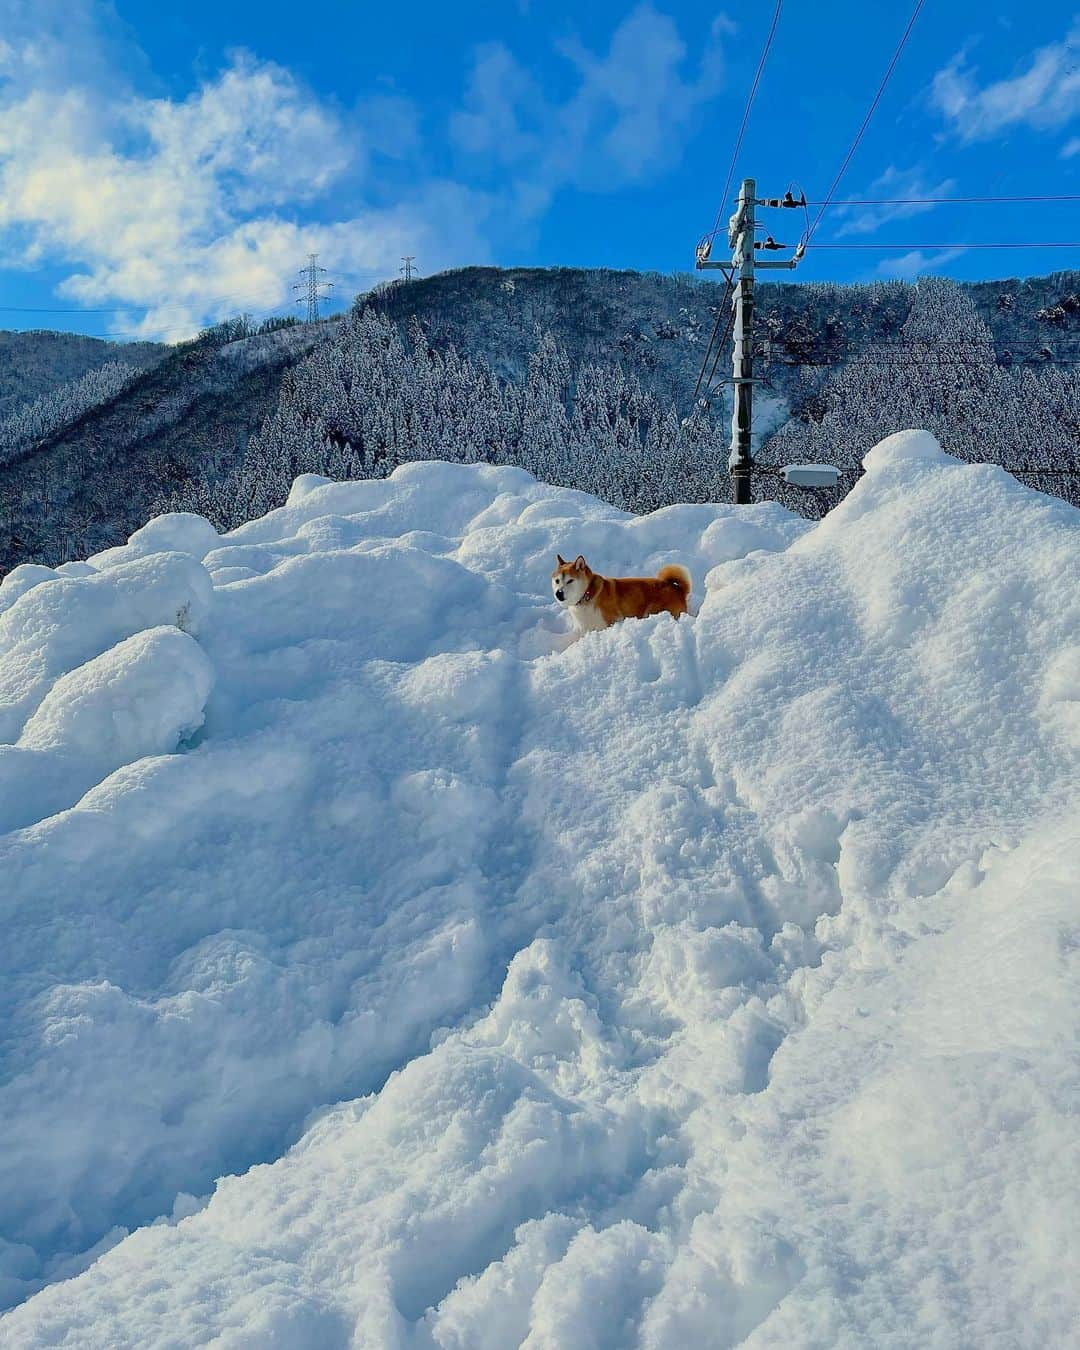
x: 378, y: 974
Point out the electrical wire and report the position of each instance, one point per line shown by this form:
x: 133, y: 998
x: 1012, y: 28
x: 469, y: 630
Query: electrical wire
x: 942, y: 201
x: 1053, y: 471
x: 746, y: 117
x: 876, y: 362
x: 724, y: 304
x: 720, y: 213
x: 172, y: 304
x: 164, y: 333
x: 126, y: 309
x: 866, y: 120
x: 1008, y: 244
x: 933, y: 348
x: 724, y: 340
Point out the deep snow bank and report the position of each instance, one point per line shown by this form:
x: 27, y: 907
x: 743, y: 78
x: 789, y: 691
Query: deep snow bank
x: 728, y: 967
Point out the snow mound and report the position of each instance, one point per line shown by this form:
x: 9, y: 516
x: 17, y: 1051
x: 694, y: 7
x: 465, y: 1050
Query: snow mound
x: 906, y: 447
x: 140, y: 698
x: 58, y: 622
x: 177, y: 532
x: 700, y: 983
x: 136, y: 699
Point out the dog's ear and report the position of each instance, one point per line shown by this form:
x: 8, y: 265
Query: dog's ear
x: 579, y: 563
x: 560, y: 559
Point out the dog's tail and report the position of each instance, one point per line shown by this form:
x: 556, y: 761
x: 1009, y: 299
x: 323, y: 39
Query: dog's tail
x: 676, y: 575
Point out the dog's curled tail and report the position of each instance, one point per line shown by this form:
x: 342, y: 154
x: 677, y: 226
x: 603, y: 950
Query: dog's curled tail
x: 678, y: 576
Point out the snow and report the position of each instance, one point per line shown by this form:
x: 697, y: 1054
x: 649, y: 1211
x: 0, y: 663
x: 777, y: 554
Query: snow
x: 179, y: 531
x: 57, y: 623
x: 383, y: 972
x: 139, y: 698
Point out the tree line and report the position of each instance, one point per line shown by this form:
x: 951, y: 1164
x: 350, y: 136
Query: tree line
x: 372, y: 397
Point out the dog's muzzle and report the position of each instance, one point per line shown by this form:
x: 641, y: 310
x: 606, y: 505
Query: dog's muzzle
x: 559, y: 595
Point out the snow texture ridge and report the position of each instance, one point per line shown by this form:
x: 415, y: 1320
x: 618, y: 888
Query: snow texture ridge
x: 383, y: 972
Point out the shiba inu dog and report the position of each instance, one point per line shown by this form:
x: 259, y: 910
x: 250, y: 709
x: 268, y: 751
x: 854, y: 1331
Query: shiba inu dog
x: 597, y: 602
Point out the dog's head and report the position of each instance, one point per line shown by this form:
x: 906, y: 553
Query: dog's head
x: 570, y: 581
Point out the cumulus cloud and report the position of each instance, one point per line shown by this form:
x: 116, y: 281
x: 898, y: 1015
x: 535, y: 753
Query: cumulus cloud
x: 1045, y: 95
x: 186, y: 210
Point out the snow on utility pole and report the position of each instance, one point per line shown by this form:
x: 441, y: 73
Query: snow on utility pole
x: 741, y: 238
x: 313, y: 287
x: 741, y: 230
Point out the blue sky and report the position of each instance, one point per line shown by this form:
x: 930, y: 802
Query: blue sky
x: 167, y: 164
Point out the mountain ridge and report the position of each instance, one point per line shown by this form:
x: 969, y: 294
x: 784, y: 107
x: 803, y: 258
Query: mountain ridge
x: 188, y: 421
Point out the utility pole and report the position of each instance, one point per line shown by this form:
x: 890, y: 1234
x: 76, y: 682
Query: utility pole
x: 741, y: 238
x: 741, y: 229
x: 408, y: 259
x: 313, y: 287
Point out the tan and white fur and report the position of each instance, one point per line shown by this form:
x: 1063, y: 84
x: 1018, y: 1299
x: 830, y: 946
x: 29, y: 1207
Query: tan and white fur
x: 597, y: 602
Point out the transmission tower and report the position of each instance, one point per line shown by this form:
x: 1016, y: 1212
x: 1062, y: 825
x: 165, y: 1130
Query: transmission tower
x: 312, y: 286
x: 407, y: 271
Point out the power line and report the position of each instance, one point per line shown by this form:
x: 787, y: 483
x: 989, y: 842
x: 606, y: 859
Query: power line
x: 167, y: 332
x: 160, y: 334
x: 407, y: 269
x: 724, y: 304
x: 705, y: 245
x: 917, y: 344
x: 856, y: 471
x: 866, y: 120
x: 169, y: 304
x: 1074, y: 472
x: 1012, y: 244
x: 726, y: 334
x: 42, y: 309
x: 941, y: 201
x: 746, y: 117
x: 139, y: 335
x: 126, y: 309
x: 861, y: 361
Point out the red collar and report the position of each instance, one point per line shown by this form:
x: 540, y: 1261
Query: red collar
x: 590, y: 593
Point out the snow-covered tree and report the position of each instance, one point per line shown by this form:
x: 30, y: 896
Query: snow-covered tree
x: 33, y: 422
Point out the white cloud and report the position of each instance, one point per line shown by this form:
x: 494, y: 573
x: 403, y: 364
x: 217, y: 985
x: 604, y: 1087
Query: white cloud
x: 254, y: 132
x: 622, y: 124
x: 1045, y: 95
x: 894, y: 183
x: 183, y: 210
x: 917, y: 263
x: 53, y: 45
x: 175, y: 207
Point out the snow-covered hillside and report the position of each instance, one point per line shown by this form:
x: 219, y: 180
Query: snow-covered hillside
x: 703, y: 983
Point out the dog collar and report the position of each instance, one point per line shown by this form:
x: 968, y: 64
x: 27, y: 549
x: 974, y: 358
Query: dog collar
x: 588, y: 594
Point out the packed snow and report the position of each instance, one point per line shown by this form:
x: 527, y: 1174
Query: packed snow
x: 382, y: 970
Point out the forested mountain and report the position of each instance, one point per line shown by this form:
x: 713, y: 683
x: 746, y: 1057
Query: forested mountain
x: 35, y: 363
x: 584, y: 377
x: 29, y: 424
x: 185, y: 420
x: 841, y: 371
